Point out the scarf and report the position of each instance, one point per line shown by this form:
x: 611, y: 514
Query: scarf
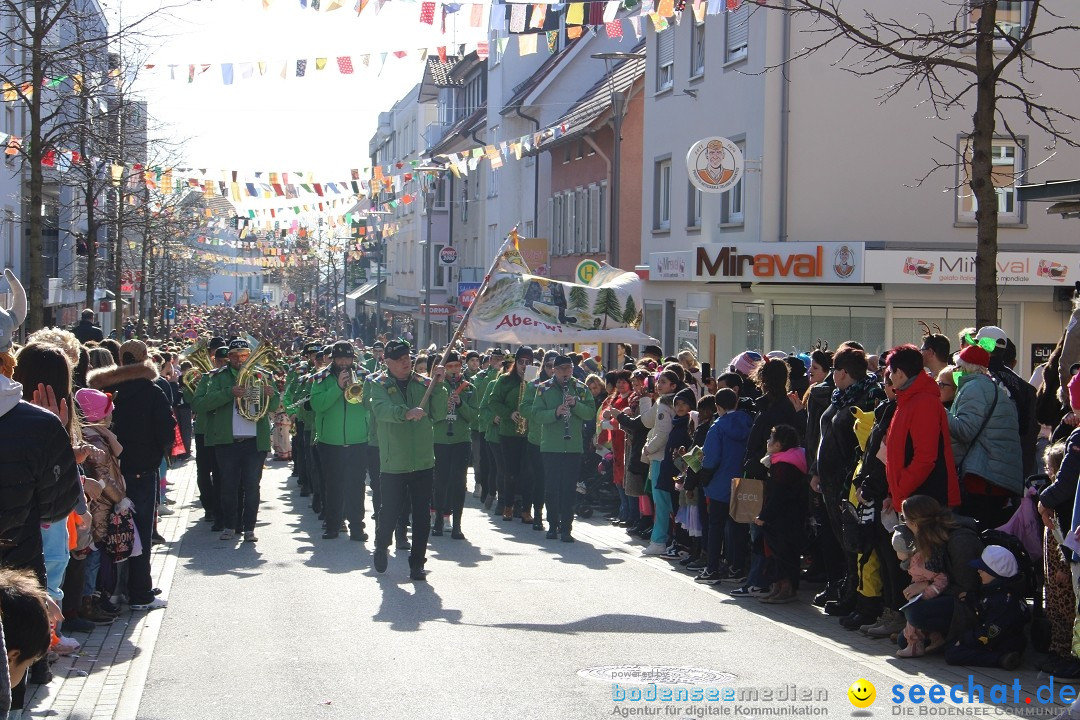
x: 850, y: 396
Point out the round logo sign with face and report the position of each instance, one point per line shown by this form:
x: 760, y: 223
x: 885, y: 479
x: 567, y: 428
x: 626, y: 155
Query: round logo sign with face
x: 448, y: 256
x: 715, y: 164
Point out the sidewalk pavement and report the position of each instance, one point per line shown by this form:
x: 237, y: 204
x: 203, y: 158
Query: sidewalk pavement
x: 104, y: 680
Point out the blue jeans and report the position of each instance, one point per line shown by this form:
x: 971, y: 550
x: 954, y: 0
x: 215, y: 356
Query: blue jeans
x: 54, y: 541
x: 241, y: 465
x: 757, y: 557
x: 662, y: 503
x: 93, y: 567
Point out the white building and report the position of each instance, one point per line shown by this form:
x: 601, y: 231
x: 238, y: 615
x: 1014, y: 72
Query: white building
x: 829, y: 165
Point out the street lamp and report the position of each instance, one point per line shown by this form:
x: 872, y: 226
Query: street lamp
x: 619, y: 101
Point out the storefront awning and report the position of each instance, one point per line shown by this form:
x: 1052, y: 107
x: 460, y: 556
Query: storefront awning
x: 365, y: 289
x: 1064, y: 194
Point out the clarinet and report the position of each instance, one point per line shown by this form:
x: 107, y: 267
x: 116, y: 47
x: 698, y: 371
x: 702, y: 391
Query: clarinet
x: 566, y: 417
x: 451, y: 414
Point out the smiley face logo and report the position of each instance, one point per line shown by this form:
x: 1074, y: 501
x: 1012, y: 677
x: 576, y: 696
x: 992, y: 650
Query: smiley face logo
x: 862, y: 693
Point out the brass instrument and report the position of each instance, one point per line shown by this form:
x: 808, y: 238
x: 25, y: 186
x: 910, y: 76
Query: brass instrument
x: 253, y: 378
x: 199, y: 357
x: 354, y: 388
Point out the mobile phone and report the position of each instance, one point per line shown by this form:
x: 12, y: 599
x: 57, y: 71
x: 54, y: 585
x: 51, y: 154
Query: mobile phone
x: 706, y: 371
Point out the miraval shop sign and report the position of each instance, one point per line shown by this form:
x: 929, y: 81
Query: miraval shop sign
x: 957, y: 268
x: 780, y: 262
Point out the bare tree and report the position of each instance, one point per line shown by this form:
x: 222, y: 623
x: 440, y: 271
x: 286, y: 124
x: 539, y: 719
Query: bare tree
x: 970, y: 57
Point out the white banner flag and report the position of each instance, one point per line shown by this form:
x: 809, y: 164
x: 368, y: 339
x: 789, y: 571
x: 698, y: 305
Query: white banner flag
x: 518, y: 307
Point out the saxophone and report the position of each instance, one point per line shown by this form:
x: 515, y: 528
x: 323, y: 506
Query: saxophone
x: 522, y: 423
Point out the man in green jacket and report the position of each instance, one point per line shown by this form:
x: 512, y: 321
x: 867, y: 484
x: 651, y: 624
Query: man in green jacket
x: 532, y: 473
x: 239, y: 444
x: 506, y: 399
x: 342, y: 420
x: 452, y: 440
x: 207, y: 475
x: 482, y: 462
x: 406, y: 450
x: 301, y: 417
x: 562, y: 406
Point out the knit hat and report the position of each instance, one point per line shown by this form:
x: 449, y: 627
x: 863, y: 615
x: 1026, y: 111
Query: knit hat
x: 523, y: 352
x: 745, y: 362
x: 216, y: 342
x: 221, y: 353
x: 561, y: 360
x: 396, y: 349
x: 378, y: 345
x: 687, y: 397
x: 451, y: 357
x: 95, y: 405
x: 975, y: 355
x: 903, y: 540
x: 237, y: 345
x: 343, y: 349
x: 997, y: 561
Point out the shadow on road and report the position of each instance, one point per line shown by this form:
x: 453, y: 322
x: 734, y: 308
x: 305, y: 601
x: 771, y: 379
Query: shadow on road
x: 619, y: 623
x: 405, y: 611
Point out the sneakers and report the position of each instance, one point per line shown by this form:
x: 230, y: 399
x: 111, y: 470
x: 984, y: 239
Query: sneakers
x: 164, y: 509
x: 708, y: 578
x: 699, y: 564
x: 655, y: 549
x: 65, y: 645
x: 155, y: 604
x: 671, y: 553
x: 418, y: 574
x: 226, y: 535
x: 76, y: 624
x: 780, y: 598
x: 750, y: 591
x: 249, y: 536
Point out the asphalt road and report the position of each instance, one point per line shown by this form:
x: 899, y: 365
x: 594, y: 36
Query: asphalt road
x: 510, y: 625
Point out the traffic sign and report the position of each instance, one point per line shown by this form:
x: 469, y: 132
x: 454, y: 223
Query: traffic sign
x: 170, y: 313
x: 227, y: 296
x: 448, y: 256
x: 586, y: 270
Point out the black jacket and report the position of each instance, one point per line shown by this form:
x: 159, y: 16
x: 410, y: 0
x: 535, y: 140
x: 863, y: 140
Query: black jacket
x: 770, y: 413
x: 39, y: 481
x: 85, y: 331
x: 636, y: 433
x: 142, y: 418
x: 839, y: 451
x: 871, y: 478
x: 1060, y: 495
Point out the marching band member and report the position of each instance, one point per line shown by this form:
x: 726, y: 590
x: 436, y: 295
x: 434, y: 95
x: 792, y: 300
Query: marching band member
x: 506, y: 400
x: 342, y: 422
x: 563, y: 405
x: 406, y: 450
x: 452, y: 442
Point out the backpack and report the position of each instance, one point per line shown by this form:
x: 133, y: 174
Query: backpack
x: 1029, y: 578
x: 119, y: 535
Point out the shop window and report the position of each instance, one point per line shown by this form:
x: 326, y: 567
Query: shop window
x: 747, y: 327
x: 802, y: 326
x: 907, y: 323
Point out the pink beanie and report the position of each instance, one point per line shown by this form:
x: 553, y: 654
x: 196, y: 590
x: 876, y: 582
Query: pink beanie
x: 1074, y: 392
x: 745, y: 363
x: 95, y: 405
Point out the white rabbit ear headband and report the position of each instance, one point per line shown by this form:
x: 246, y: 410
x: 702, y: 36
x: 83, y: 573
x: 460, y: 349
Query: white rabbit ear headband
x: 12, y: 317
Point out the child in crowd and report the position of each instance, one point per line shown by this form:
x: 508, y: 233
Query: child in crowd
x: 97, y: 409
x: 1001, y: 612
x: 25, y: 616
x: 678, y: 438
x: 783, y: 513
x: 925, y: 582
x: 698, y: 557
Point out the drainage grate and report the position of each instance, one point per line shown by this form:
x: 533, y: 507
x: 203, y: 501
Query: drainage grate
x: 658, y: 674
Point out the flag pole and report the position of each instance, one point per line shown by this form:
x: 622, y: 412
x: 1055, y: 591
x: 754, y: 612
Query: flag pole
x: 511, y: 237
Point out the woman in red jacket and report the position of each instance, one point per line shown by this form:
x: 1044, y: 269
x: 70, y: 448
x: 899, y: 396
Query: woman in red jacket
x: 918, y: 454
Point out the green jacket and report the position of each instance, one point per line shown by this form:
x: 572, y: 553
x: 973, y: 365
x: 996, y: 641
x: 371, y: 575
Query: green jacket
x: 505, y: 400
x: 337, y: 421
x: 189, y: 398
x: 466, y: 415
x: 527, y: 409
x: 480, y: 382
x: 549, y: 397
x: 486, y: 417
x: 215, y: 398
x: 373, y: 427
x: 405, y: 445
x: 297, y: 392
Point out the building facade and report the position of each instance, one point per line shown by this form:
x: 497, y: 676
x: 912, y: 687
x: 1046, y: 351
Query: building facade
x: 830, y: 235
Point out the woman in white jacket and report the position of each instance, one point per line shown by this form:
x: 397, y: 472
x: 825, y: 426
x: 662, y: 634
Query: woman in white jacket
x: 658, y: 419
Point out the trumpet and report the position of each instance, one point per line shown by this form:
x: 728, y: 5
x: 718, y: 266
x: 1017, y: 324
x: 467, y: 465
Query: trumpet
x: 354, y: 387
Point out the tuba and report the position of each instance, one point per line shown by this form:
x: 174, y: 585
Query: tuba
x: 199, y: 357
x: 253, y: 378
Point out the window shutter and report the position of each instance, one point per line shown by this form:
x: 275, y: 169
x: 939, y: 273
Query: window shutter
x: 738, y: 30
x: 595, y: 209
x: 665, y: 48
x: 571, y: 224
x: 551, y: 225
